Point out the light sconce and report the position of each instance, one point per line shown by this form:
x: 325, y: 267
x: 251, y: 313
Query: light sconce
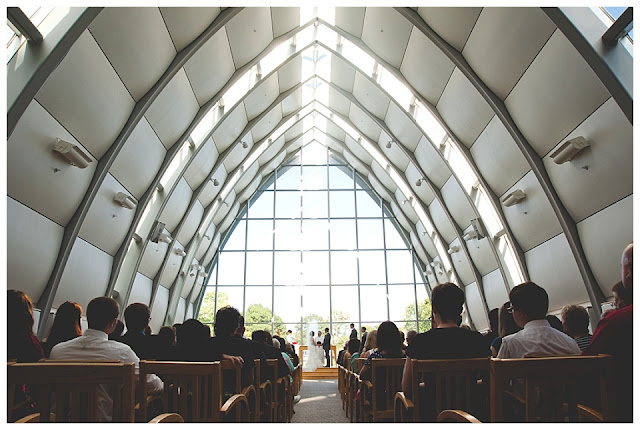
x: 71, y: 153
x: 180, y: 252
x: 453, y: 249
x: 513, y: 198
x: 164, y: 237
x: 471, y: 235
x: 389, y: 143
x: 215, y: 182
x: 192, y: 144
x: 244, y: 144
x: 137, y: 237
x: 223, y: 202
x: 436, y: 263
x: 569, y: 149
x: 409, y: 200
x: 207, y: 237
x: 202, y: 273
x: 427, y: 272
x: 499, y: 234
x: 125, y: 201
x: 419, y: 182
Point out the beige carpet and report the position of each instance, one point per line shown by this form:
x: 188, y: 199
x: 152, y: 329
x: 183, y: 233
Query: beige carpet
x: 320, y: 403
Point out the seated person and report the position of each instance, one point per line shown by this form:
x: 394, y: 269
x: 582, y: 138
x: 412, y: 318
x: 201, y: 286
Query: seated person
x: 137, y: 317
x: 263, y: 348
x: 506, y: 326
x: 226, y: 324
x: 410, y: 335
x: 575, y: 322
x: 370, y: 343
x: 94, y: 345
x: 66, y: 326
x: 621, y: 298
x: 353, y: 346
x: 529, y: 306
x: 389, y: 346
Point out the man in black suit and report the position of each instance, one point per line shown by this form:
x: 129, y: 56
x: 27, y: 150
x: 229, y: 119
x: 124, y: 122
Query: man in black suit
x: 363, y: 338
x: 326, y: 345
x: 354, y: 332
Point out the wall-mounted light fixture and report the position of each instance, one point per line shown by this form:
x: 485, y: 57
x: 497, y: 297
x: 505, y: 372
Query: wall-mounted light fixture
x: 223, y: 202
x: 409, y: 200
x: 244, y: 144
x: 419, y: 182
x: 453, y: 249
x: 471, y: 235
x: 206, y: 236
x: 180, y: 252
x: 73, y: 154
x: 125, y: 200
x: 389, y: 144
x: 137, y: 237
x: 165, y: 237
x: 513, y: 197
x: 215, y: 182
x: 202, y: 273
x: 478, y: 227
x: 569, y: 150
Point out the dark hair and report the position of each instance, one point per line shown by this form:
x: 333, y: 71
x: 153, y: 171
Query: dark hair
x: 193, y: 332
x: 136, y: 316
x: 353, y: 346
x: 352, y: 325
x: 389, y: 340
x: 19, y: 313
x: 447, y: 300
x: 493, y: 320
x: 326, y: 329
x: 554, y: 322
x: 363, y: 328
x: 101, y: 311
x: 410, y: 335
x: 66, y: 324
x: 531, y: 299
x: 576, y: 319
x: 261, y: 336
x: 226, y: 323
x: 507, y: 324
x: 167, y: 335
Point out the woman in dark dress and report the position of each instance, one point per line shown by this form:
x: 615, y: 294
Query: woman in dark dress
x: 66, y: 326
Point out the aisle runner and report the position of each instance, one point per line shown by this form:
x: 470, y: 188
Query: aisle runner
x: 320, y: 403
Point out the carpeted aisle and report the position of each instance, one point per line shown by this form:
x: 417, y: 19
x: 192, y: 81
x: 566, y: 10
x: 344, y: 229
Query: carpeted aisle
x: 320, y: 403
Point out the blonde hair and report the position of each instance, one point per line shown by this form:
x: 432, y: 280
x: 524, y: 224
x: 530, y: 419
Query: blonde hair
x: 372, y: 341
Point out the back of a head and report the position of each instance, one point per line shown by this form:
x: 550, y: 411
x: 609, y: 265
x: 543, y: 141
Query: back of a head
x: 261, y: 336
x: 410, y: 335
x: 192, y: 332
x: 575, y: 319
x: 493, y: 320
x: 507, y: 324
x: 136, y: 316
x: 226, y: 321
x: 101, y: 311
x: 168, y: 335
x: 19, y: 313
x: 388, y: 338
x: 531, y: 299
x: 353, y: 346
x: 554, y: 322
x: 66, y: 324
x: 627, y: 269
x: 371, y: 341
x: 447, y: 300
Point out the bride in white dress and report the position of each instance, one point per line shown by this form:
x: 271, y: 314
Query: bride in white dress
x: 315, y: 356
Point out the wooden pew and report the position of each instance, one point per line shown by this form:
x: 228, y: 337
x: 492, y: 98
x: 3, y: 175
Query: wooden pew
x: 377, y: 396
x: 552, y: 386
x: 353, y: 385
x: 193, y: 390
x: 76, y: 389
x: 448, y: 384
x: 281, y: 394
x: 456, y: 416
x: 249, y: 391
x: 167, y: 418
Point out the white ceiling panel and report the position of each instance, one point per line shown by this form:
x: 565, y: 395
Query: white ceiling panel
x: 364, y: 124
x: 402, y: 127
x: 386, y: 32
x: 296, y: 130
x: 152, y: 257
x: 441, y: 221
x: 407, y: 208
x: 431, y: 163
x: 177, y: 205
x: 272, y: 150
x: 173, y: 110
x: 400, y: 216
x: 210, y: 67
x: 267, y: 124
x: 170, y: 272
x: 563, y: 284
x: 290, y: 74
x: 477, y: 312
x: 461, y: 264
x: 249, y: 33
x: 336, y: 132
x: 211, y: 252
x: 481, y: 254
x: 383, y: 177
x: 159, y: 308
x: 87, y: 97
x: 342, y: 73
x: 107, y: 223
x: 139, y: 159
x: 36, y: 176
x: 237, y: 154
x: 292, y: 103
x: 495, y: 291
x: 284, y: 19
x: 338, y: 102
x: 501, y: 57
x: 250, y: 189
x: 229, y: 130
x: 377, y: 186
x: 262, y: 96
x: 191, y: 223
x: 85, y: 276
x: 498, y: 158
x: 458, y: 203
x: 556, y: 93
x: 224, y: 210
x: 603, y: 246
x: 425, y: 240
x: 210, y: 191
x: 425, y: 67
x: 370, y: 96
x: 350, y: 19
x: 205, y: 243
x: 201, y: 166
x: 179, y: 315
x: 586, y: 183
x: 395, y: 154
x: 35, y: 236
x: 186, y: 23
x: 417, y: 246
x: 453, y: 24
x: 463, y: 109
x: 532, y: 220
x: 424, y: 192
x: 137, y: 43
x: 140, y: 290
x: 247, y: 177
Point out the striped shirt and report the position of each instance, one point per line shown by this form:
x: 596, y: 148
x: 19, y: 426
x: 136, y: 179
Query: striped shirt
x: 583, y: 341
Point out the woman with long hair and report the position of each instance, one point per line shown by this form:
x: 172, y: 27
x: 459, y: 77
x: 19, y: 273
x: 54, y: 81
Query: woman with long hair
x: 22, y: 343
x: 506, y: 326
x: 389, y: 345
x: 370, y: 344
x: 66, y: 326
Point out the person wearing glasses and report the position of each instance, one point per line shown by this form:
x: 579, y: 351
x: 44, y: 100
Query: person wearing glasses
x: 529, y: 306
x: 506, y: 326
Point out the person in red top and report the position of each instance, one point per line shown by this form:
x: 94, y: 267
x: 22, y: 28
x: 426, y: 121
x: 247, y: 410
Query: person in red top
x: 614, y: 336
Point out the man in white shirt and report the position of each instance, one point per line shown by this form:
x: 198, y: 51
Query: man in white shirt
x: 529, y: 305
x: 94, y: 345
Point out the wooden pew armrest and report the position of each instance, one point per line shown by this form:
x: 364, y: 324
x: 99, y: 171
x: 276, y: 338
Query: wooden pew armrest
x: 403, y: 407
x: 456, y: 415
x: 235, y: 400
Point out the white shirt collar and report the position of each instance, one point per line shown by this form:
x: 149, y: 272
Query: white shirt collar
x: 537, y: 324
x: 95, y: 333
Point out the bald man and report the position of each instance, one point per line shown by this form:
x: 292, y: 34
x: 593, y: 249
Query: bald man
x: 614, y: 336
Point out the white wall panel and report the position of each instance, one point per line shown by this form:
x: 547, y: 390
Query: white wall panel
x: 370, y: 96
x: 191, y: 223
x: 402, y: 127
x: 604, y: 236
x: 186, y: 23
x: 495, y: 291
x: 481, y: 254
x: 179, y: 318
x: 152, y: 258
x: 33, y: 242
x: 475, y: 308
x: 342, y: 73
x: 262, y: 96
x: 159, y: 308
x: 170, y: 272
x: 441, y: 221
x: 228, y: 131
x: 432, y: 163
x: 364, y: 123
x: 249, y: 33
x: 201, y: 166
x: 386, y: 32
x: 177, y: 205
x: 551, y: 265
x: 189, y: 313
x: 457, y: 203
x: 210, y: 191
x: 140, y: 290
x: 453, y: 24
x: 351, y: 19
x: 461, y: 264
x: 86, y: 275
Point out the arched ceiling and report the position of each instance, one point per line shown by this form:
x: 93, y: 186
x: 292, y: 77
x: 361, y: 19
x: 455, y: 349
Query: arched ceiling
x: 444, y: 111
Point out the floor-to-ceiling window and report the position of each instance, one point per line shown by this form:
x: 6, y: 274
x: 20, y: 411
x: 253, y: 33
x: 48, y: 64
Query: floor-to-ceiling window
x: 316, y: 248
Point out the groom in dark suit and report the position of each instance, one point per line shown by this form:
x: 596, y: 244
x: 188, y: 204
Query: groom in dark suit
x: 326, y: 345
